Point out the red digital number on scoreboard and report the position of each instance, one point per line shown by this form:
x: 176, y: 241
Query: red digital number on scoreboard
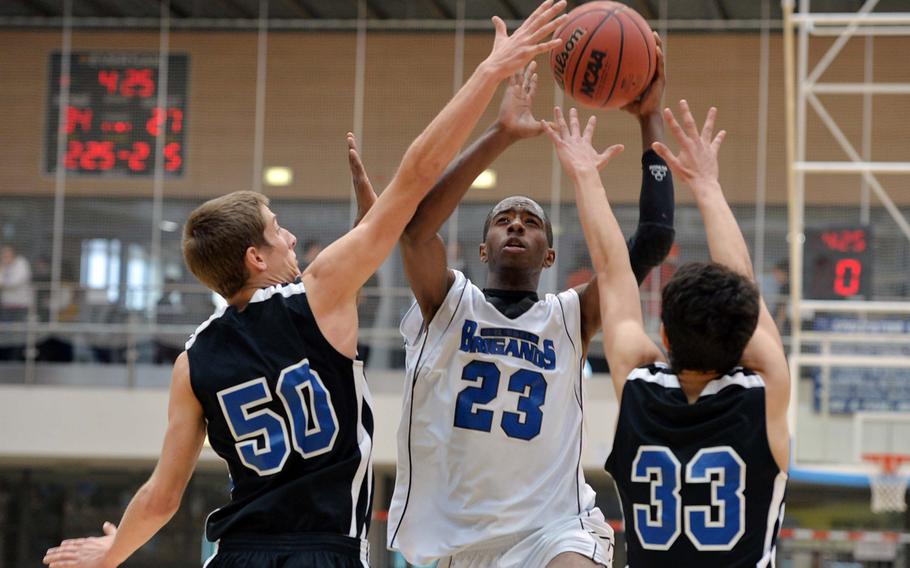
x: 112, y: 125
x: 128, y: 82
x: 838, y: 263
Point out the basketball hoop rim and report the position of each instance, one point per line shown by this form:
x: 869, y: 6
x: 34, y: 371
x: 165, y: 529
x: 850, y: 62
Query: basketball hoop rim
x: 888, y: 463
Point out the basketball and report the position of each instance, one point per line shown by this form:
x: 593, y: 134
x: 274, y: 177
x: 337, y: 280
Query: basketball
x: 608, y: 55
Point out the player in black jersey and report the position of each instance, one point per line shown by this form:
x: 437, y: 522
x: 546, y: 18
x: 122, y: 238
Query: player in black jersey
x: 701, y: 447
x: 273, y: 377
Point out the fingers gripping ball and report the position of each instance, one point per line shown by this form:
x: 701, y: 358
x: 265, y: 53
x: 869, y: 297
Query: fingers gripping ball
x: 608, y: 55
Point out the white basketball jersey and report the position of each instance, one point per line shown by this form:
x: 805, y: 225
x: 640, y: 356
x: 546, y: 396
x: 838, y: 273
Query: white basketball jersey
x: 490, y: 438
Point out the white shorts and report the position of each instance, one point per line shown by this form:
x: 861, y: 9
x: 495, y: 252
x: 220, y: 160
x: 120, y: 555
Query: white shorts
x: 587, y: 534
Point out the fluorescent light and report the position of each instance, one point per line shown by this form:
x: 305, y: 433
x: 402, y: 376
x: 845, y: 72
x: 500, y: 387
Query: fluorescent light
x: 278, y: 176
x: 486, y: 180
x: 168, y: 226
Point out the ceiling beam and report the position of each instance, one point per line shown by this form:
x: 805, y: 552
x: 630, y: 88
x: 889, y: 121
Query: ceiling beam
x: 40, y: 7
x: 304, y: 9
x: 721, y: 9
x: 645, y: 9
x: 377, y: 12
x: 105, y: 8
x: 176, y: 10
x: 442, y: 9
x: 233, y: 5
x: 514, y: 14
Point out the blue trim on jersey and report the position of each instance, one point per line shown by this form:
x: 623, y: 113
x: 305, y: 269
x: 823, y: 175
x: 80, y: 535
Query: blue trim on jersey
x: 426, y: 335
x: 579, y: 396
x: 261, y: 295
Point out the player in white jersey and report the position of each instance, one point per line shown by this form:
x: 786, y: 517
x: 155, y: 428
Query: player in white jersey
x: 489, y: 461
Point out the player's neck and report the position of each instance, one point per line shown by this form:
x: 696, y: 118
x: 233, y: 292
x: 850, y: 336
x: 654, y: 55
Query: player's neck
x: 256, y: 282
x: 241, y: 299
x: 513, y: 280
x: 693, y: 383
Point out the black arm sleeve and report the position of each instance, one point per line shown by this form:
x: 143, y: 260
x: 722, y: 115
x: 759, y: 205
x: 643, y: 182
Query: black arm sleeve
x: 654, y: 234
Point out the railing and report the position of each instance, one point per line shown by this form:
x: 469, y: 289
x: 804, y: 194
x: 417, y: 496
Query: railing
x: 90, y: 330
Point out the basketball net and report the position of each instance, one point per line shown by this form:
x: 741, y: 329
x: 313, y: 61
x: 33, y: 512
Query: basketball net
x: 888, y: 484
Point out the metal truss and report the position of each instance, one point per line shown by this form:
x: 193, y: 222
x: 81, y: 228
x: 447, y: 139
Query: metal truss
x: 803, y: 85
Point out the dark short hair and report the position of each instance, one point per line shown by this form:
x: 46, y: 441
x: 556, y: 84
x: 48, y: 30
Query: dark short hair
x: 548, y: 227
x: 709, y: 313
x: 217, y: 235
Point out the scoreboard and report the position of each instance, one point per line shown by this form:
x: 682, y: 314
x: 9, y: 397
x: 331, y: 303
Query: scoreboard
x: 838, y: 263
x: 113, y: 121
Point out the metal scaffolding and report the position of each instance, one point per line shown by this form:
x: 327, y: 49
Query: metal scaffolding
x: 803, y: 85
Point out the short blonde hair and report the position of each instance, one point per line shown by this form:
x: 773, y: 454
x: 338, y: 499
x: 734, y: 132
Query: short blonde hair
x: 217, y: 235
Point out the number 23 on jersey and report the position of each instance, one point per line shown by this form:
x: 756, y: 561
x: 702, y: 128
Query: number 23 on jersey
x: 524, y: 424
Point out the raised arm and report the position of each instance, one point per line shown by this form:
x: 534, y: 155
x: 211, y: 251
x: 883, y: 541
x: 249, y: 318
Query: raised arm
x: 625, y: 342
x: 696, y: 164
x: 363, y: 187
x: 333, y: 280
x: 422, y: 248
x: 158, y: 499
x: 654, y: 234
x: 653, y: 237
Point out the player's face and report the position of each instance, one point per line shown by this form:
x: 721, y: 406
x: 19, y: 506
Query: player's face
x: 279, y: 254
x: 517, y: 237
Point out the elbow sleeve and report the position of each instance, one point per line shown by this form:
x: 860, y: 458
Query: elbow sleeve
x: 655, y: 203
x: 654, y: 235
x: 648, y: 247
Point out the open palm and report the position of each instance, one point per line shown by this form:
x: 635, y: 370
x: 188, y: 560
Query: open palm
x: 574, y: 147
x: 515, y: 114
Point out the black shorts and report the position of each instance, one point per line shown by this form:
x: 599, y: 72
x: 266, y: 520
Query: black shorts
x: 316, y: 550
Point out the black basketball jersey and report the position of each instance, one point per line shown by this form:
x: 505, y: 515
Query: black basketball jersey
x: 289, y: 414
x: 697, y: 482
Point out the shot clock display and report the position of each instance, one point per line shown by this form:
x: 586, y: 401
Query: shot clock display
x: 838, y: 263
x: 113, y: 119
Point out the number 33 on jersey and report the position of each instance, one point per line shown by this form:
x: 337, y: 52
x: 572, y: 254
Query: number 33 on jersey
x: 715, y: 526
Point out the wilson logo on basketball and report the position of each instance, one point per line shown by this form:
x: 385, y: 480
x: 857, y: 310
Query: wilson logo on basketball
x: 559, y: 67
x: 592, y: 72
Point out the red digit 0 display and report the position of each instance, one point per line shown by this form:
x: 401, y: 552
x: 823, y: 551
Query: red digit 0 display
x: 113, y: 125
x: 838, y: 263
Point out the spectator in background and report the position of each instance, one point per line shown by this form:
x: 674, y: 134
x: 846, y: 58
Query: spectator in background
x: 55, y: 347
x: 16, y: 299
x: 41, y: 282
x: 170, y: 310
x: 780, y: 295
x: 16, y: 294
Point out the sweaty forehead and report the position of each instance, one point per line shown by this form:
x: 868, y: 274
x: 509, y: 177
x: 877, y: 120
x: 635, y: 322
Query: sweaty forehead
x: 518, y: 203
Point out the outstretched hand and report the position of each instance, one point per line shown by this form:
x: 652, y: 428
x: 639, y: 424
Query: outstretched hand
x: 512, y: 52
x: 515, y: 114
x: 696, y: 162
x: 649, y: 101
x: 83, y: 552
x: 574, y: 147
x: 363, y: 188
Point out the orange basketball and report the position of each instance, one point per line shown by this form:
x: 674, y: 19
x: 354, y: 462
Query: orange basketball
x: 608, y: 55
